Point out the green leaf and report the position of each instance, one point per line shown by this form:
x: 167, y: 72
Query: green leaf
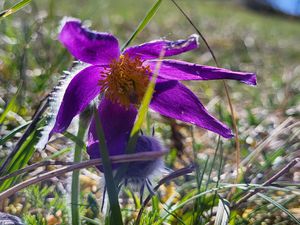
x: 90, y: 220
x: 75, y: 189
x: 143, y: 110
x: 199, y: 203
x: 174, y: 208
x: 283, y: 209
x: 141, y: 116
x: 21, y: 158
x: 223, y: 212
x: 75, y: 139
x: 14, y: 8
x: 10, y: 104
x: 116, y: 216
x: 58, y: 153
x: 13, y: 132
x: 144, y: 23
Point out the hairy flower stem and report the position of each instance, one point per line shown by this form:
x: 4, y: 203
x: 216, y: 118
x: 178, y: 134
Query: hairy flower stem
x: 75, y: 189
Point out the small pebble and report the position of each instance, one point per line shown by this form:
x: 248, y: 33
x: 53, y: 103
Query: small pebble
x: 296, y: 177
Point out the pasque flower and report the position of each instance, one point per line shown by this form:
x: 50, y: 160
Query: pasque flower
x: 140, y: 173
x: 122, y: 79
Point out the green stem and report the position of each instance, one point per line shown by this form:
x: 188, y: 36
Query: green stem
x: 143, y: 23
x: 75, y: 190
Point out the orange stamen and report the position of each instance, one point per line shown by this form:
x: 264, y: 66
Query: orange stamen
x: 125, y: 81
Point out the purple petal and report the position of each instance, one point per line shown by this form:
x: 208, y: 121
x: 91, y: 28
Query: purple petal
x: 83, y: 88
x: 117, y: 123
x: 174, y: 100
x: 180, y: 70
x: 89, y: 46
x: 152, y: 50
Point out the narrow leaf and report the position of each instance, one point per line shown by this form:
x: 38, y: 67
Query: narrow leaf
x: 90, y: 220
x: 116, y: 217
x: 143, y: 110
x: 174, y: 208
x: 282, y: 208
x: 14, y: 8
x: 13, y: 132
x: 75, y: 139
x: 10, y: 104
x: 20, y: 159
x: 223, y: 212
x: 58, y: 153
x: 75, y: 189
x: 142, y: 113
x: 143, y: 23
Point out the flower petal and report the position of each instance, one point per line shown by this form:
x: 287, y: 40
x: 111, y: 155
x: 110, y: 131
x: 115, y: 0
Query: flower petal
x: 180, y: 70
x: 117, y: 123
x: 89, y: 46
x: 174, y: 100
x: 152, y: 50
x: 83, y: 88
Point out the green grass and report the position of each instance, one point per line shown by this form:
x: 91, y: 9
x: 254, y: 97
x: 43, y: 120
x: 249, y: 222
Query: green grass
x: 241, y: 39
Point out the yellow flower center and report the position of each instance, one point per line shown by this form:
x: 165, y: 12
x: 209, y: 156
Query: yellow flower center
x: 125, y: 81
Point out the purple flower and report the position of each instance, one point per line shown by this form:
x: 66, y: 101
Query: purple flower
x: 140, y: 171
x: 123, y: 77
x: 140, y: 174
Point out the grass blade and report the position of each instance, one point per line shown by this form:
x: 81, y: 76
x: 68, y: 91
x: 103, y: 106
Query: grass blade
x: 58, y: 153
x: 141, y: 116
x: 13, y: 132
x: 75, y: 139
x: 236, y: 137
x: 10, y: 104
x: 223, y: 212
x: 75, y: 189
x: 213, y: 163
x: 199, y: 203
x: 143, y: 23
x: 90, y: 220
x: 283, y: 209
x: 183, y: 203
x: 143, y: 110
x: 219, y: 173
x: 116, y: 217
x: 20, y: 159
x: 30, y: 129
x: 14, y: 8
